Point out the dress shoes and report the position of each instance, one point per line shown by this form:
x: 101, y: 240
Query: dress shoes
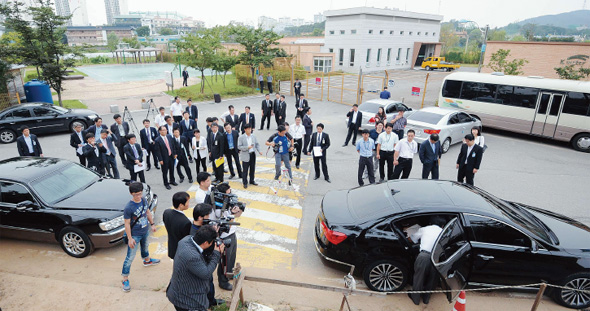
x: 174, y: 184
x: 190, y: 181
x: 328, y: 180
x: 414, y: 301
x: 190, y: 161
x: 245, y: 186
x: 181, y: 180
x: 344, y: 145
x: 297, y: 166
x: 232, y: 176
x: 168, y: 187
x: 157, y: 167
x: 148, y: 168
x: 226, y: 286
x: 316, y: 178
x: 253, y: 183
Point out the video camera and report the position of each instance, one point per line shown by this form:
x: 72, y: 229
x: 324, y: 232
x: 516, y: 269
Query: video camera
x: 225, y: 201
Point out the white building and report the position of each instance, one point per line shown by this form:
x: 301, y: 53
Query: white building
x: 379, y: 39
x: 318, y: 18
x: 114, y: 8
x: 76, y: 8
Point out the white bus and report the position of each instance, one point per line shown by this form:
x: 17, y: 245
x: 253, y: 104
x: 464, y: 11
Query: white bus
x: 557, y: 109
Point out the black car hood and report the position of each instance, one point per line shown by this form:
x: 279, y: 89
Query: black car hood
x: 105, y: 194
x: 573, y: 236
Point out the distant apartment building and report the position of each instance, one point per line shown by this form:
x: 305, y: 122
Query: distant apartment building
x: 95, y: 35
x: 157, y: 20
x: 127, y: 21
x: 267, y: 23
x: 114, y: 8
x: 379, y: 39
x: 76, y: 8
x: 318, y: 18
x: 279, y: 25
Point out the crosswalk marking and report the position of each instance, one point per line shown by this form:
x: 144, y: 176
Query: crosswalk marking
x: 272, y: 217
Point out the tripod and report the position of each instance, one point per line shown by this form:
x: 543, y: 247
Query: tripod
x: 152, y: 109
x: 129, y: 118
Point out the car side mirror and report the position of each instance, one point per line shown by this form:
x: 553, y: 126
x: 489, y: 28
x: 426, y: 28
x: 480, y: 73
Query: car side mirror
x: 534, y: 246
x: 26, y: 204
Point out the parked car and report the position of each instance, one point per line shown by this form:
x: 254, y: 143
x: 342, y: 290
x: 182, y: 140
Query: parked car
x: 486, y: 240
x: 55, y: 200
x: 450, y: 125
x: 41, y: 118
x: 370, y: 108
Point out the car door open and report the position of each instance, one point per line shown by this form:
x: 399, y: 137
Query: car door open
x: 451, y: 258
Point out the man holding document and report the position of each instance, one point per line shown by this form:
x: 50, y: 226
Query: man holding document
x: 320, y: 142
x: 134, y: 156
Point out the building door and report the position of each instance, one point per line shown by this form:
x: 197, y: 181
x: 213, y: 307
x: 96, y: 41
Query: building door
x: 421, y: 55
x: 549, y: 108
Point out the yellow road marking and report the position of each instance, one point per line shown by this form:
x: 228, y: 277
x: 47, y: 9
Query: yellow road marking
x: 269, y: 207
x: 253, y: 255
x: 269, y: 227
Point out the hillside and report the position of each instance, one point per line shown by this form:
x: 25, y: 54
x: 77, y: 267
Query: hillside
x: 571, y: 19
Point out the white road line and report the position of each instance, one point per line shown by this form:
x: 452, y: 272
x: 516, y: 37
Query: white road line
x: 255, y: 196
x: 266, y: 239
x: 272, y: 217
x: 296, y: 174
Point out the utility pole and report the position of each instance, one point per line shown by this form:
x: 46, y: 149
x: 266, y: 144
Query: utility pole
x: 483, y: 47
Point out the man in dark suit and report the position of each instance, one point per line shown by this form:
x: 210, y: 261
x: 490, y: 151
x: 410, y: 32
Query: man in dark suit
x: 181, y: 145
x: 192, y: 110
x: 247, y: 118
x: 134, y: 156
x: 215, y: 144
x: 322, y: 140
x: 96, y: 128
x: 308, y: 125
x: 301, y: 105
x: 92, y: 153
x: 267, y: 111
x: 297, y: 88
x: 280, y: 110
x: 430, y: 153
x: 177, y: 224
x: 120, y: 129
x: 148, y: 137
x: 166, y: 154
x: 170, y: 125
x: 109, y: 160
x: 28, y: 144
x: 232, y: 118
x: 275, y: 105
x: 231, y: 150
x: 184, y: 77
x: 469, y: 160
x: 187, y: 127
x: 77, y: 141
x: 355, y: 118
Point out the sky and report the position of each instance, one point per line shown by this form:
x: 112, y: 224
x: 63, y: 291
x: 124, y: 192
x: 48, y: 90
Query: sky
x: 496, y: 13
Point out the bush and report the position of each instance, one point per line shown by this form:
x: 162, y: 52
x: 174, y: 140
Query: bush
x: 31, y: 76
x: 99, y: 60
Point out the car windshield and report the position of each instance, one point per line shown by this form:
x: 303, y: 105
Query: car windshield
x: 64, y: 183
x: 60, y: 109
x: 370, y: 107
x: 426, y: 117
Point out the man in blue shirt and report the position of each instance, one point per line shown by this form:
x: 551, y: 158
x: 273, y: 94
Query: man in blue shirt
x: 231, y: 150
x: 282, y: 146
x: 137, y: 215
x: 385, y: 94
x: 365, y: 147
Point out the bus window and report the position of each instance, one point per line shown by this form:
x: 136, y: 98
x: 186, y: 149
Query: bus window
x: 483, y: 92
x: 577, y: 103
x: 525, y: 97
x: 452, y: 89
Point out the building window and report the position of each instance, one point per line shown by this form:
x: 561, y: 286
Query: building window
x: 352, y: 57
x: 368, y: 55
x: 378, y: 55
x: 380, y: 32
x: 399, y: 53
x: 401, y: 33
x: 434, y: 33
x: 331, y: 50
x: 426, y: 33
x: 388, y: 55
x: 418, y: 33
x: 410, y: 33
x: 391, y: 32
x: 322, y: 63
x: 331, y: 32
x: 353, y: 32
x: 408, y: 54
x: 370, y: 31
x: 340, y: 57
x: 341, y: 32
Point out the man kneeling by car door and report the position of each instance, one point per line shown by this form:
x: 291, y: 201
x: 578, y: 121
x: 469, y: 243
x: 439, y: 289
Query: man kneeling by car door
x: 425, y: 274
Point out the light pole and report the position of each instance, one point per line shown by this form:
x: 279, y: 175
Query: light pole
x: 485, y: 41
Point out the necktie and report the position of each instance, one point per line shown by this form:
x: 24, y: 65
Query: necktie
x: 167, y: 145
x: 149, y: 135
x: 319, y: 140
x: 135, y: 152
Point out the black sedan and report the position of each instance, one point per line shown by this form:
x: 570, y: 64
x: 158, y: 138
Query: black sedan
x: 55, y: 200
x: 41, y: 118
x: 486, y: 240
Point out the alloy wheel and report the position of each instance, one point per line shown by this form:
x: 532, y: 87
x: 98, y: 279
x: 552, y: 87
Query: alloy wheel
x: 386, y: 277
x: 7, y: 136
x: 74, y: 243
x: 575, y: 297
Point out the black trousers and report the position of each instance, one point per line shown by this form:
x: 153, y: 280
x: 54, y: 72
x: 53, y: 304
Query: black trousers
x: 217, y: 171
x: 297, y: 93
x: 464, y: 174
x: 122, y: 152
x: 262, y: 86
x: 424, y: 277
x: 428, y: 168
x: 306, y: 140
x: 185, y: 82
x: 82, y: 159
x: 269, y: 87
x: 150, y: 154
x: 183, y: 162
x: 404, y: 168
x: 228, y: 261
x: 233, y: 153
x: 298, y: 147
x: 177, y: 120
x: 134, y: 175
x: 366, y: 162
x: 400, y: 133
x: 201, y: 162
x: 386, y: 157
x: 316, y: 165
x: 249, y: 167
x: 279, y: 121
x: 352, y: 130
x: 168, y: 171
x: 265, y: 117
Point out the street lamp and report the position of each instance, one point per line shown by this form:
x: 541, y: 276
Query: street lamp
x: 485, y: 41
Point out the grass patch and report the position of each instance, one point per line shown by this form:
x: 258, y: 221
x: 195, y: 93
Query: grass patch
x: 76, y: 72
x: 71, y: 104
x: 231, y: 90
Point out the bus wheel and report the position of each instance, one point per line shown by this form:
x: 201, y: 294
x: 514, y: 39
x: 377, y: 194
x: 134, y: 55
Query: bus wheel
x: 581, y: 142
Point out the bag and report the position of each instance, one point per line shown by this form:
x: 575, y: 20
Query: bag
x: 485, y: 147
x: 125, y: 238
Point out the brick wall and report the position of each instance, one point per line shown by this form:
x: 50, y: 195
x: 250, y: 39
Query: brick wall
x: 542, y: 56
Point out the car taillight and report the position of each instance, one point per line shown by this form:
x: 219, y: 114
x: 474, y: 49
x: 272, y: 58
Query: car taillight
x: 431, y: 131
x: 334, y: 237
x: 372, y: 120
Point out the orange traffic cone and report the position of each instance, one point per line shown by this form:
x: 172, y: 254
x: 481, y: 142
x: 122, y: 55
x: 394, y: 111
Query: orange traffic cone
x: 460, y: 303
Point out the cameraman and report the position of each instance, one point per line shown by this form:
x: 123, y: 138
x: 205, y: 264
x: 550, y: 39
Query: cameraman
x: 191, y: 276
x: 282, y: 143
x: 230, y: 255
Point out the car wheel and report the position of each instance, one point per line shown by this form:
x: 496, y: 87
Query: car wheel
x: 7, y: 136
x: 75, y: 242
x: 427, y: 68
x: 385, y: 276
x: 446, y: 145
x: 570, y: 297
x: 581, y: 142
x: 76, y: 122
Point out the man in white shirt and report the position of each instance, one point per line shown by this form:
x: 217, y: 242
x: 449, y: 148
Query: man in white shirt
x: 385, y: 148
x: 176, y: 110
x: 159, y: 119
x: 297, y: 131
x: 355, y: 118
x: 405, y: 150
x: 204, y: 181
x: 425, y: 274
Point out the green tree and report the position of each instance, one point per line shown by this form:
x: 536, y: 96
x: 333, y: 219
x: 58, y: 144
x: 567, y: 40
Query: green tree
x: 258, y: 47
x: 572, y: 71
x: 497, y: 35
x: 448, y: 38
x: 518, y: 38
x: 133, y: 42
x: 198, y: 51
x: 143, y: 31
x: 528, y: 31
x: 317, y: 32
x: 498, y: 63
x: 167, y: 32
x: 112, y: 41
x: 223, y: 62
